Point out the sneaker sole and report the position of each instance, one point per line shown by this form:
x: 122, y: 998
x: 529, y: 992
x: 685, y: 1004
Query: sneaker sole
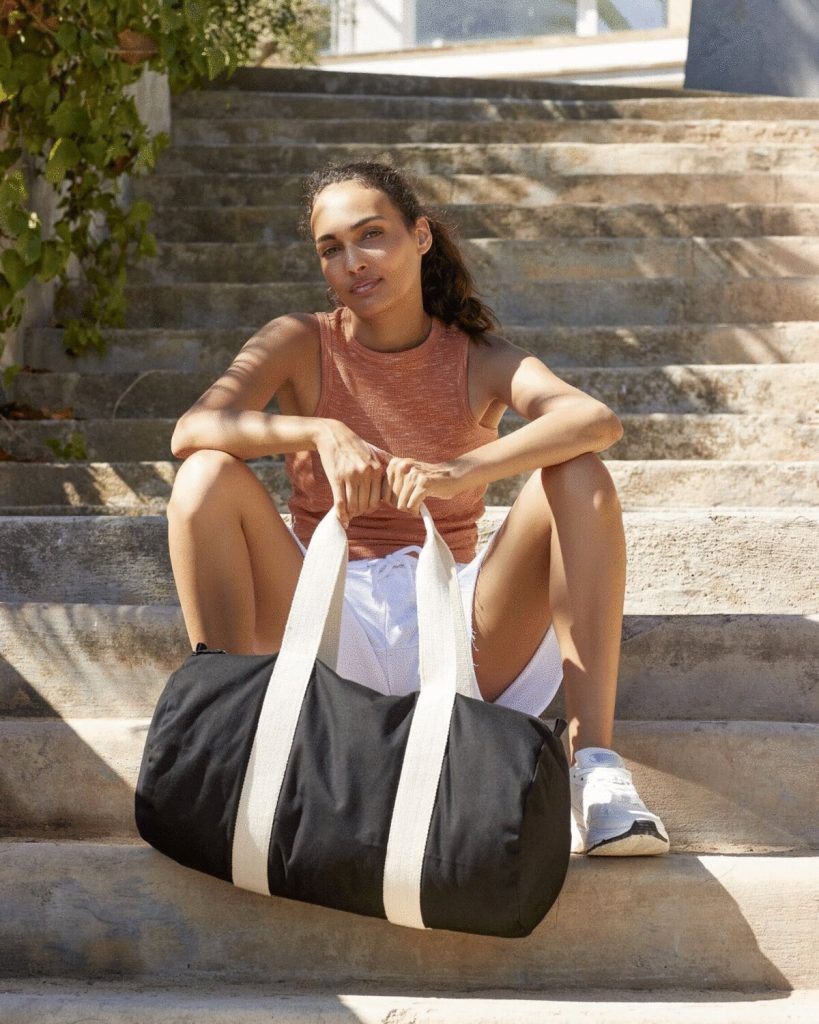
x: 642, y: 839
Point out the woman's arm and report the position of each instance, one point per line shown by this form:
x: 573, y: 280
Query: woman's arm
x: 247, y: 434
x: 564, y: 421
x: 229, y: 416
x: 569, y: 428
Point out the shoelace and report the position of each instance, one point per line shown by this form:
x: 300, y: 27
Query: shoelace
x: 605, y: 772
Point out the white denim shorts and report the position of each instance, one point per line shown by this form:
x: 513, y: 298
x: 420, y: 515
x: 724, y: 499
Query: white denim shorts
x: 378, y: 645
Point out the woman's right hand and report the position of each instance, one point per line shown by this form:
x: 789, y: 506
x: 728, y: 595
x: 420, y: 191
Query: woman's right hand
x: 355, y: 469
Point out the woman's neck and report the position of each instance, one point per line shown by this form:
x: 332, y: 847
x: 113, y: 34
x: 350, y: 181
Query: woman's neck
x: 391, y: 331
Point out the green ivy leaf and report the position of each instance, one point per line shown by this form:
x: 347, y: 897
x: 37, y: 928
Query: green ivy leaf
x: 64, y: 156
x: 95, y: 151
x: 216, y: 61
x: 9, y: 157
x: 13, y: 188
x: 52, y: 259
x: 13, y: 220
x: 97, y: 55
x: 30, y: 68
x: 139, y: 213
x: 147, y: 245
x: 66, y: 37
x: 69, y: 118
x: 5, y: 53
x: 29, y: 245
x: 10, y: 373
x: 62, y: 229
x: 74, y: 447
x: 17, y: 273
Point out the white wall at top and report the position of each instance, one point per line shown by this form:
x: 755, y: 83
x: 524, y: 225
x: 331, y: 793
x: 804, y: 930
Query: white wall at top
x: 367, y: 26
x: 360, y: 26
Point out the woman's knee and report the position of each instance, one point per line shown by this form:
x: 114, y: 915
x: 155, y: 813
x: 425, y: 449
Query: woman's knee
x: 202, y: 474
x: 584, y: 476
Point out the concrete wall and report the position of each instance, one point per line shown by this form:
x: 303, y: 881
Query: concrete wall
x: 38, y: 297
x: 754, y: 46
x: 152, y: 99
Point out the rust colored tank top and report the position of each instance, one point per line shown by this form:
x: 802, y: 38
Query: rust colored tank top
x: 412, y: 404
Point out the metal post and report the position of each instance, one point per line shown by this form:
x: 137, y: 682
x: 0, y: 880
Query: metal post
x: 586, y: 23
x: 409, y: 24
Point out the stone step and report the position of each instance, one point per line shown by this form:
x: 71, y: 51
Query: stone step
x: 496, y: 260
x: 718, y: 786
x: 659, y: 300
x: 503, y: 205
x: 535, y: 158
x: 137, y: 487
x: 695, y: 561
x: 125, y: 910
x: 323, y: 81
x: 115, y: 659
x: 241, y: 129
x: 292, y: 106
x: 757, y: 437
x: 680, y: 389
x: 25, y: 1001
x: 210, y: 350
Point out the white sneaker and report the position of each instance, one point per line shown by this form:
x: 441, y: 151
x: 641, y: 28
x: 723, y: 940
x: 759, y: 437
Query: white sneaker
x: 608, y: 817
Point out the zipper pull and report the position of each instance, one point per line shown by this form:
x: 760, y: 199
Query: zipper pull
x: 559, y: 727
x: 202, y: 648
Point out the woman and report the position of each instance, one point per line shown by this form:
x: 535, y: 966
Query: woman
x: 390, y: 400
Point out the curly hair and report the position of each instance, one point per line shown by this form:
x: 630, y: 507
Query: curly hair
x: 447, y: 286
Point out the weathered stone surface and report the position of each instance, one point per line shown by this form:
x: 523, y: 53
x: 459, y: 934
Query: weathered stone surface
x: 652, y: 300
x: 691, y: 560
x: 685, y: 105
x: 62, y: 1002
x: 267, y: 131
x: 144, y: 487
x: 662, y: 249
x: 125, y: 910
x: 537, y: 158
x: 323, y: 81
x: 96, y: 660
x: 499, y: 205
x: 681, y: 389
x: 717, y: 785
x: 656, y: 435
x: 505, y: 260
x: 660, y: 300
x: 210, y: 350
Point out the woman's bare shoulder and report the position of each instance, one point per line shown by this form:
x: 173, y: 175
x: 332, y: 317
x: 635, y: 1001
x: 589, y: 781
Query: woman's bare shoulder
x: 292, y: 344
x: 490, y: 346
x: 290, y: 341
x: 289, y: 330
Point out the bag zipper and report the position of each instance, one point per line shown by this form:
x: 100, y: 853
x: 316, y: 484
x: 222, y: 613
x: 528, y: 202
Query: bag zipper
x: 202, y: 648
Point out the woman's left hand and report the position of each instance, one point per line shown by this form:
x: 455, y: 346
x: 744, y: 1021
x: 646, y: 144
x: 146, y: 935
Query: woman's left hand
x: 408, y: 482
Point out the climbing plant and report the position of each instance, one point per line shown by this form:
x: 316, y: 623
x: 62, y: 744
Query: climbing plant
x: 68, y: 118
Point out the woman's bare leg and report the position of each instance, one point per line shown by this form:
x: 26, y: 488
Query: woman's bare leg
x: 234, y: 561
x: 561, y: 551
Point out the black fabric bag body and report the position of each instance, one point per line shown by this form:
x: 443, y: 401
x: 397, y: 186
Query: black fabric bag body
x: 434, y: 809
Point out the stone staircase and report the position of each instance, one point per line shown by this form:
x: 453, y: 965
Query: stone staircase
x: 658, y: 250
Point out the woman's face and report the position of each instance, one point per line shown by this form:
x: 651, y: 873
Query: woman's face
x: 367, y: 254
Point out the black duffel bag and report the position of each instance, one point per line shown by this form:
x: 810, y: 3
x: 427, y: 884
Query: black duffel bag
x: 434, y: 809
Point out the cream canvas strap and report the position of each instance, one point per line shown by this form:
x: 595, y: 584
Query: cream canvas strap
x: 312, y: 631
